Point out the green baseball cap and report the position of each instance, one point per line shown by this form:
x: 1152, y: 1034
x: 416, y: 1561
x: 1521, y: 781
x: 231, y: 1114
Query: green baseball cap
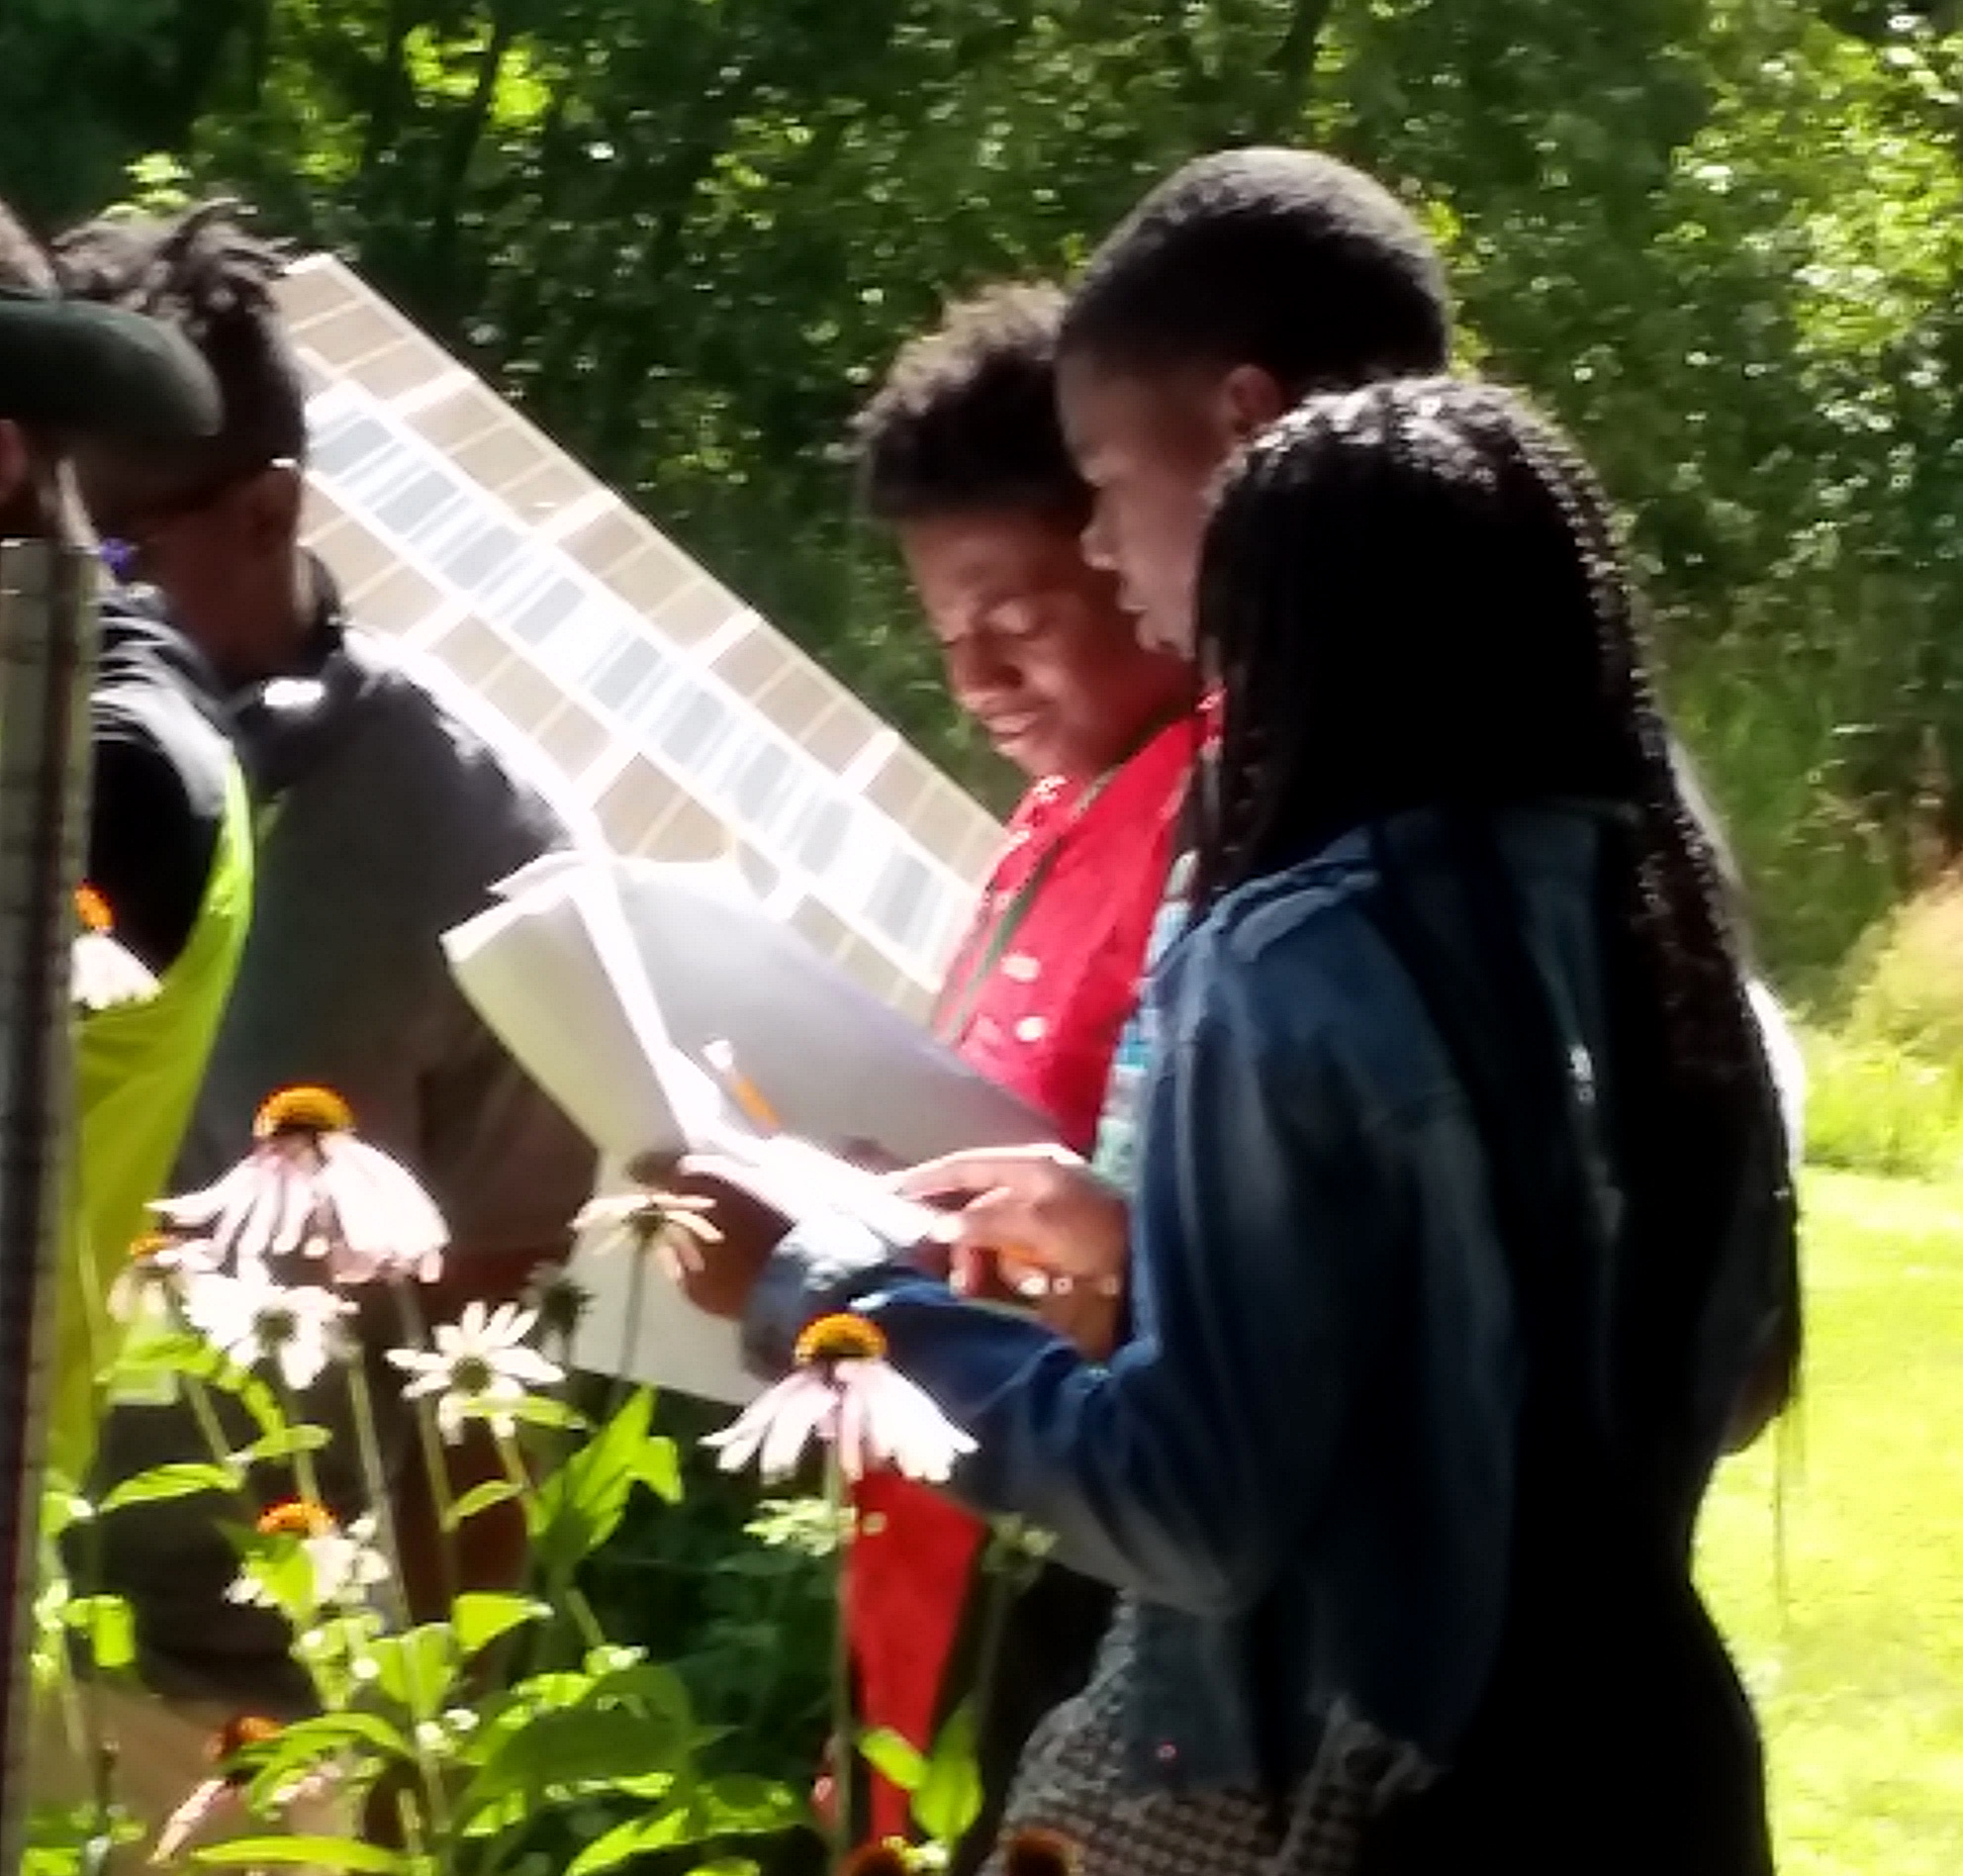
x: 98, y: 371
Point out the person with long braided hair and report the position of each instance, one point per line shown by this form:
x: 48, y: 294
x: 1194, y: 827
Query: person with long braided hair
x: 1461, y: 1236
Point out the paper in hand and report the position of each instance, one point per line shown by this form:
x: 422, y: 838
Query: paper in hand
x: 615, y: 984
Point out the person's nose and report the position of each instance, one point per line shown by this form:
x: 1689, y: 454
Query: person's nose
x: 977, y: 669
x: 1099, y: 550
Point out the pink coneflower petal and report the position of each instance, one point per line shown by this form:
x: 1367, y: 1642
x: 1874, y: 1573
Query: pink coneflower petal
x: 214, y: 1796
x: 855, y: 1430
x: 906, y: 1426
x: 846, y: 1394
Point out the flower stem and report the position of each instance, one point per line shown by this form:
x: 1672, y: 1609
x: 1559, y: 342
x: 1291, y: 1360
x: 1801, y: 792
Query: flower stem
x: 630, y: 1330
x: 212, y: 1428
x: 843, y: 1720
x: 416, y: 1334
x: 306, y: 1474
x: 375, y: 1480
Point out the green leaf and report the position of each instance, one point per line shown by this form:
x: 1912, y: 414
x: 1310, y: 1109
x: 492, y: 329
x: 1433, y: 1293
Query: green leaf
x: 327, y: 1853
x: 61, y: 1507
x: 659, y: 1468
x: 748, y: 1807
x: 279, y: 1565
x: 481, y: 1618
x: 535, y: 1410
x: 571, y: 1751
x: 164, y: 1482
x: 111, y: 1628
x: 582, y: 1504
x: 285, y: 1442
x: 276, y: 1763
x: 896, y: 1759
x: 661, y: 1832
x: 950, y: 1796
x: 494, y: 1491
x: 417, y: 1670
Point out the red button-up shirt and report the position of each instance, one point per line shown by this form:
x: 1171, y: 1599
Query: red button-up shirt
x: 1037, y: 1008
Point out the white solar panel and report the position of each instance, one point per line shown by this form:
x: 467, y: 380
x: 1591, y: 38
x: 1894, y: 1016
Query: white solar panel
x: 446, y: 483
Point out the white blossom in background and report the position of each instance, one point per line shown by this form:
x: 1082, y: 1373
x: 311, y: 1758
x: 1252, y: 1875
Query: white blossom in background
x: 482, y: 1367
x: 309, y: 1187
x: 251, y: 1320
x: 668, y: 1224
x: 103, y: 972
x: 844, y: 1393
x: 345, y: 1565
x: 150, y: 1285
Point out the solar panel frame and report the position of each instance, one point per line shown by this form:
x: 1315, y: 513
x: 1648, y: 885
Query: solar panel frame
x: 487, y: 537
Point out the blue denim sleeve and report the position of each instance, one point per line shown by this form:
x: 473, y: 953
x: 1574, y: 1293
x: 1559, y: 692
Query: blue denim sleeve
x: 1188, y: 1469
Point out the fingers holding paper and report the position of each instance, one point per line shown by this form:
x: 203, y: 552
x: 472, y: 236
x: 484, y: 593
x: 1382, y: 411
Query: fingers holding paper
x: 1040, y: 1209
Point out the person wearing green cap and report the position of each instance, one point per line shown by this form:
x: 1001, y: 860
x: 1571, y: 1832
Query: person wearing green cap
x: 170, y: 846
x: 169, y: 843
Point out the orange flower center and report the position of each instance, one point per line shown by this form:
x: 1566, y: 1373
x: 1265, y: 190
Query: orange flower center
x: 302, y: 1111
x: 236, y: 1736
x: 92, y: 910
x: 841, y: 1337
x: 297, y: 1518
x: 151, y: 1244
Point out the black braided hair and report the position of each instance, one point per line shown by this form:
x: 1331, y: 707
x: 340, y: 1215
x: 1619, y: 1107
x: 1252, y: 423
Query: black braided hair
x: 1413, y: 595
x: 967, y: 418
x: 204, y: 272
x: 1286, y: 259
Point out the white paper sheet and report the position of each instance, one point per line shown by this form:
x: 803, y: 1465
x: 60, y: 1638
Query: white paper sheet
x: 613, y: 981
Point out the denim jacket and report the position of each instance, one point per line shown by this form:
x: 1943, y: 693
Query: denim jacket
x: 1302, y: 1465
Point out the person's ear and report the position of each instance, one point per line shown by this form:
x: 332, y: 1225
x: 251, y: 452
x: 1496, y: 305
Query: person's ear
x: 1247, y: 401
x: 278, y: 495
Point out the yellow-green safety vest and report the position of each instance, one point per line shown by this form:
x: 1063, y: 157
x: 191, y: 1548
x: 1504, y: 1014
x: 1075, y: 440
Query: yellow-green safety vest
x: 139, y: 1068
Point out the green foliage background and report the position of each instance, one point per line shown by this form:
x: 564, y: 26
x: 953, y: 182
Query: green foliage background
x: 1720, y: 236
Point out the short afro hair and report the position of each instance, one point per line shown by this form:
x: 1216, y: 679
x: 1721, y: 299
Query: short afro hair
x: 1281, y: 258
x: 966, y: 421
x: 206, y: 273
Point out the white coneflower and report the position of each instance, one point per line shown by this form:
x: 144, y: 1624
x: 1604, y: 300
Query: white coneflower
x: 104, y: 971
x: 481, y: 1368
x: 344, y: 1564
x: 152, y: 1282
x: 250, y: 1320
x: 310, y: 1188
x: 844, y: 1393
x: 647, y: 1221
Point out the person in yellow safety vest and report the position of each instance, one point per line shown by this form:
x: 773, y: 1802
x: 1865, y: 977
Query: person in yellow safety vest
x: 170, y: 856
x: 169, y: 839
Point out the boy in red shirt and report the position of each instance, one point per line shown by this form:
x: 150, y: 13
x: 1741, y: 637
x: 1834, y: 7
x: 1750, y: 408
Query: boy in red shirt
x: 961, y: 453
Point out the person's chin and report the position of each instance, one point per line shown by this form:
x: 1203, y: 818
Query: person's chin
x: 1171, y: 635
x: 1028, y: 748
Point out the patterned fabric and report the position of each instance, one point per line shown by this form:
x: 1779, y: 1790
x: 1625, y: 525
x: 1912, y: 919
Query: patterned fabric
x: 1115, y: 1153
x: 1047, y: 1019
x: 1073, y: 1783
x: 1042, y: 1025
x: 1115, y: 1149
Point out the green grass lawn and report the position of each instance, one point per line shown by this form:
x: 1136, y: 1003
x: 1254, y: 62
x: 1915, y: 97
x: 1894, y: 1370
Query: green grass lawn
x: 1853, y: 1650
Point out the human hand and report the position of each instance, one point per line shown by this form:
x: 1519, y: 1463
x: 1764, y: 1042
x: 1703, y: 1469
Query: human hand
x: 1038, y: 1213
